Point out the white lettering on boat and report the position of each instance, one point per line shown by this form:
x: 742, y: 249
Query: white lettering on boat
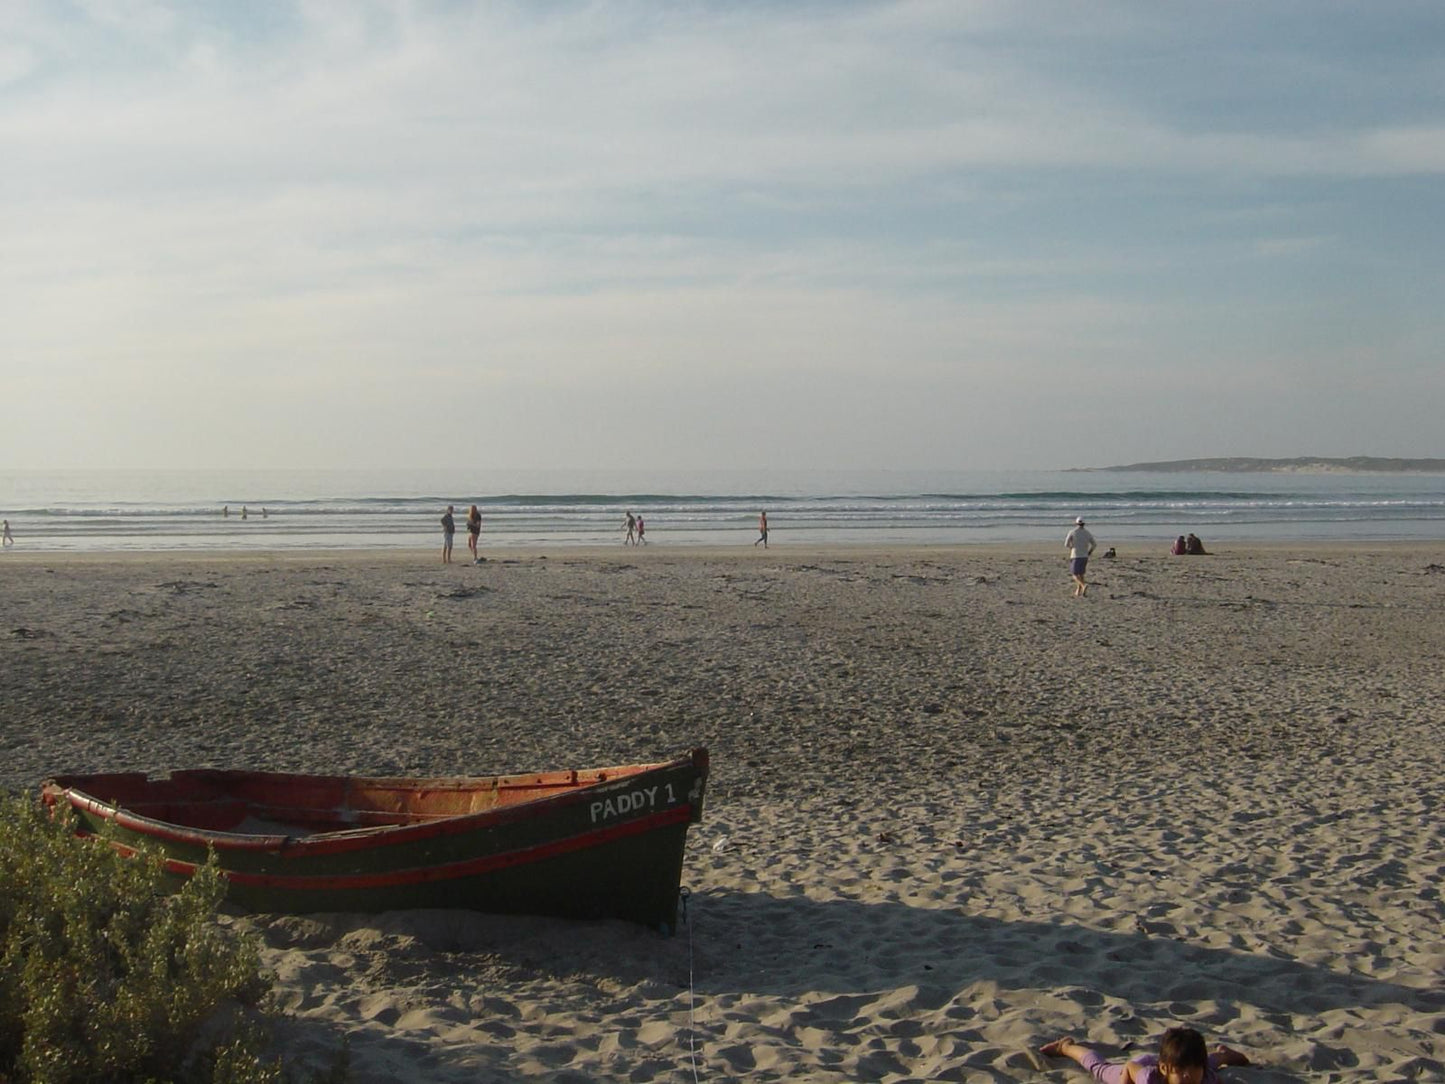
x: 641, y: 800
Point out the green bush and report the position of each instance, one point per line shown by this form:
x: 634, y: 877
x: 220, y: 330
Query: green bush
x: 105, y: 978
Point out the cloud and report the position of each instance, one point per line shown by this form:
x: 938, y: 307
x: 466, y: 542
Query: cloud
x: 1272, y: 247
x: 504, y: 196
x: 1415, y: 149
x: 615, y: 98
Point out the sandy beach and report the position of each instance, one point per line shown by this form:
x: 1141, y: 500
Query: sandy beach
x: 954, y: 812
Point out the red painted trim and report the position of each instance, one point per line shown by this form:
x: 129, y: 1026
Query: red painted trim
x: 170, y: 833
x: 470, y: 868
x: 195, y: 837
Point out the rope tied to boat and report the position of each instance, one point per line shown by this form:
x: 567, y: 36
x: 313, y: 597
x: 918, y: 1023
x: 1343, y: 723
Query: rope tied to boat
x: 684, y: 894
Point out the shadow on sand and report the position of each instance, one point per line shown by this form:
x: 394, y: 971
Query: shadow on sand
x: 839, y: 957
x: 830, y: 945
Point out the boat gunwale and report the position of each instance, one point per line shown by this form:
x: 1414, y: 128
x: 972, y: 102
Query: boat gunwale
x: 343, y: 840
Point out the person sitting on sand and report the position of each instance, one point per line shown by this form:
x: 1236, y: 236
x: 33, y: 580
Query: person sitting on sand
x: 1182, y: 1059
x: 1194, y: 547
x: 1180, y: 547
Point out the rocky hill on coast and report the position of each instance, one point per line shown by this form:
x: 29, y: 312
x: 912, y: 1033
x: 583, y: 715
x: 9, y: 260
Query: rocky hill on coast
x: 1301, y: 464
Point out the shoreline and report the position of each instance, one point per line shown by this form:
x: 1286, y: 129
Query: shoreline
x: 415, y: 556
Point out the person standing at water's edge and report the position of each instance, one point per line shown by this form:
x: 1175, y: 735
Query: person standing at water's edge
x: 1080, y: 543
x: 449, y: 528
x: 474, y: 531
x: 631, y: 525
x: 9, y: 538
x: 762, y: 529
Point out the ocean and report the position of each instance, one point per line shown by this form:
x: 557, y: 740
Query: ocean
x: 117, y: 510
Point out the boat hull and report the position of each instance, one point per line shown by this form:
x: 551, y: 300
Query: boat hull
x: 608, y: 844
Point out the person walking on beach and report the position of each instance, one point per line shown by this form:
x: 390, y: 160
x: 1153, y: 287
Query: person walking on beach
x: 631, y: 525
x: 1182, y: 1059
x: 449, y: 528
x: 641, y: 532
x: 9, y: 538
x: 474, y: 531
x: 1080, y: 543
x: 762, y: 529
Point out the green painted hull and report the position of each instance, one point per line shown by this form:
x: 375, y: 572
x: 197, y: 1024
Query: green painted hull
x: 605, y: 843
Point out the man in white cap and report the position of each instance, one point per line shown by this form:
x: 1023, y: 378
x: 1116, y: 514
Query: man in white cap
x: 1080, y: 543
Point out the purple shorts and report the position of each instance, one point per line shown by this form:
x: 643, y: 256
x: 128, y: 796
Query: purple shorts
x: 1077, y: 565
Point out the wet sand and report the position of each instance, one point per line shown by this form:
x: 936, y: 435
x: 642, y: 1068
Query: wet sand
x: 954, y: 812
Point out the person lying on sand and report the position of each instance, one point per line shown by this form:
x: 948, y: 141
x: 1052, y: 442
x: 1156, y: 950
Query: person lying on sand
x: 1182, y: 1059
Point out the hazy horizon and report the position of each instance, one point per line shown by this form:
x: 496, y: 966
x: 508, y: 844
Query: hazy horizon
x: 912, y: 236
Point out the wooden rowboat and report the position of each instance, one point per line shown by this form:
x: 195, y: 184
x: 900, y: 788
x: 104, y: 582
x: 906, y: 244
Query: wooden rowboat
x: 600, y: 843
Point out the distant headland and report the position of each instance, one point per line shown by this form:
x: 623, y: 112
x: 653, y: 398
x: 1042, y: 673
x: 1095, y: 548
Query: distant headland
x: 1362, y: 464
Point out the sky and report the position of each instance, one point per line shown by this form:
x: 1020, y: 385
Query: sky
x: 739, y: 234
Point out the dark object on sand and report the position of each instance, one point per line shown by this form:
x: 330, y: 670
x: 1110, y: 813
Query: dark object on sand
x: 599, y: 843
